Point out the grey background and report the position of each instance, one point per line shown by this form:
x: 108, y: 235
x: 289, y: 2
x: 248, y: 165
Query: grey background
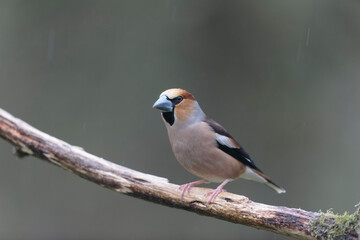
x: 281, y: 76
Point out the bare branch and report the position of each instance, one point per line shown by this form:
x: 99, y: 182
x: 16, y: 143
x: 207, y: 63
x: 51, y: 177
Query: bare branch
x: 229, y: 207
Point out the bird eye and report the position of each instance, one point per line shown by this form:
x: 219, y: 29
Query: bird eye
x: 178, y: 99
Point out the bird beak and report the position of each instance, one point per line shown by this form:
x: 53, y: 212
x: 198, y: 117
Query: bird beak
x: 163, y: 104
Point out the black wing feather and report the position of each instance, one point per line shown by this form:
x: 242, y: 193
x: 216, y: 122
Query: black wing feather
x: 237, y: 153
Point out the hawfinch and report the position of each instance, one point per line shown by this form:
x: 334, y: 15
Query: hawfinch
x: 204, y: 147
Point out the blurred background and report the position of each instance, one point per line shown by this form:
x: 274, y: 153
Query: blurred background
x: 282, y: 76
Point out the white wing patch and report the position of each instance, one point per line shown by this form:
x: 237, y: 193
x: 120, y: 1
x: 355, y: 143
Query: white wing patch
x: 227, y: 142
x: 224, y: 140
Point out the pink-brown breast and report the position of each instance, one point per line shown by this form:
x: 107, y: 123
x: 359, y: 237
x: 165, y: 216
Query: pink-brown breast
x: 195, y: 147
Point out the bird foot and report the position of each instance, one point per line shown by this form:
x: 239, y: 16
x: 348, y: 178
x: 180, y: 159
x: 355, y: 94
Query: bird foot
x: 214, y: 194
x: 217, y: 191
x: 186, y: 187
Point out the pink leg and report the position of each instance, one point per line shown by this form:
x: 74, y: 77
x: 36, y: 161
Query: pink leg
x: 217, y: 191
x: 186, y: 187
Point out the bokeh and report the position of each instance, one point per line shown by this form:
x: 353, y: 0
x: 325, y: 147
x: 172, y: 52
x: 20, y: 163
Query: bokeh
x: 282, y: 76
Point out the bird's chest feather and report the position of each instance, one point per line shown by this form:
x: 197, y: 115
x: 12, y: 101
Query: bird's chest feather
x: 191, y: 144
x: 195, y: 147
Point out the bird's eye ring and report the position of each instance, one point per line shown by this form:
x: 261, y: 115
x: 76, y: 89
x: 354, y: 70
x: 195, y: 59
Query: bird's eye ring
x: 178, y: 99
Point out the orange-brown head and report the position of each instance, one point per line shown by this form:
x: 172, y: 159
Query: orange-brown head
x: 176, y: 104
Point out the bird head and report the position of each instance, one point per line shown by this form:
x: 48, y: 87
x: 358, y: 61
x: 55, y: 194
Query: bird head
x: 178, y: 106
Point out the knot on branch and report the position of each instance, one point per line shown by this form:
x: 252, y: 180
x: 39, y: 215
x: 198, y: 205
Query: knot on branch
x: 332, y: 226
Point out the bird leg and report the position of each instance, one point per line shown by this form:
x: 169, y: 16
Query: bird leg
x: 217, y: 191
x: 186, y: 187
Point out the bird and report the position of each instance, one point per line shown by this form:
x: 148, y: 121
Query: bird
x: 203, y: 147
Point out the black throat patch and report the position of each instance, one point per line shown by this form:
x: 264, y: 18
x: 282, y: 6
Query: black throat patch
x: 169, y: 117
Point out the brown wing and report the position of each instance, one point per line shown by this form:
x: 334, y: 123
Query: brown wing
x: 217, y: 127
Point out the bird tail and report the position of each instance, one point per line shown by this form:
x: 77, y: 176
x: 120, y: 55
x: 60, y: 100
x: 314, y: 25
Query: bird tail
x: 268, y: 182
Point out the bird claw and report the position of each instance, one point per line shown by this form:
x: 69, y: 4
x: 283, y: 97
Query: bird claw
x: 217, y: 191
x: 186, y: 187
x: 214, y: 194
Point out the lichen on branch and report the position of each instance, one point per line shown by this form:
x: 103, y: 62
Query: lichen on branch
x: 328, y: 225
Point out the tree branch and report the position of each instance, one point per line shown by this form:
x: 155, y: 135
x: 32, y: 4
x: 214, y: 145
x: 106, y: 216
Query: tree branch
x: 27, y: 140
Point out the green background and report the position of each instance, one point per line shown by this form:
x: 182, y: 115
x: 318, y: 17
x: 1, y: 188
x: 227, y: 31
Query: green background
x: 282, y: 76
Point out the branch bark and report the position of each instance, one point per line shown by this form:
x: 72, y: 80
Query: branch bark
x: 229, y: 207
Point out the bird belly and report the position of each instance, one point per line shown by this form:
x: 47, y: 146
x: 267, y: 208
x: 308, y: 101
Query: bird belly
x: 196, y: 149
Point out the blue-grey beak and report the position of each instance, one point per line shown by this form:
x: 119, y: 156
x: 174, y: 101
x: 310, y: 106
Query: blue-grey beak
x: 163, y: 104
